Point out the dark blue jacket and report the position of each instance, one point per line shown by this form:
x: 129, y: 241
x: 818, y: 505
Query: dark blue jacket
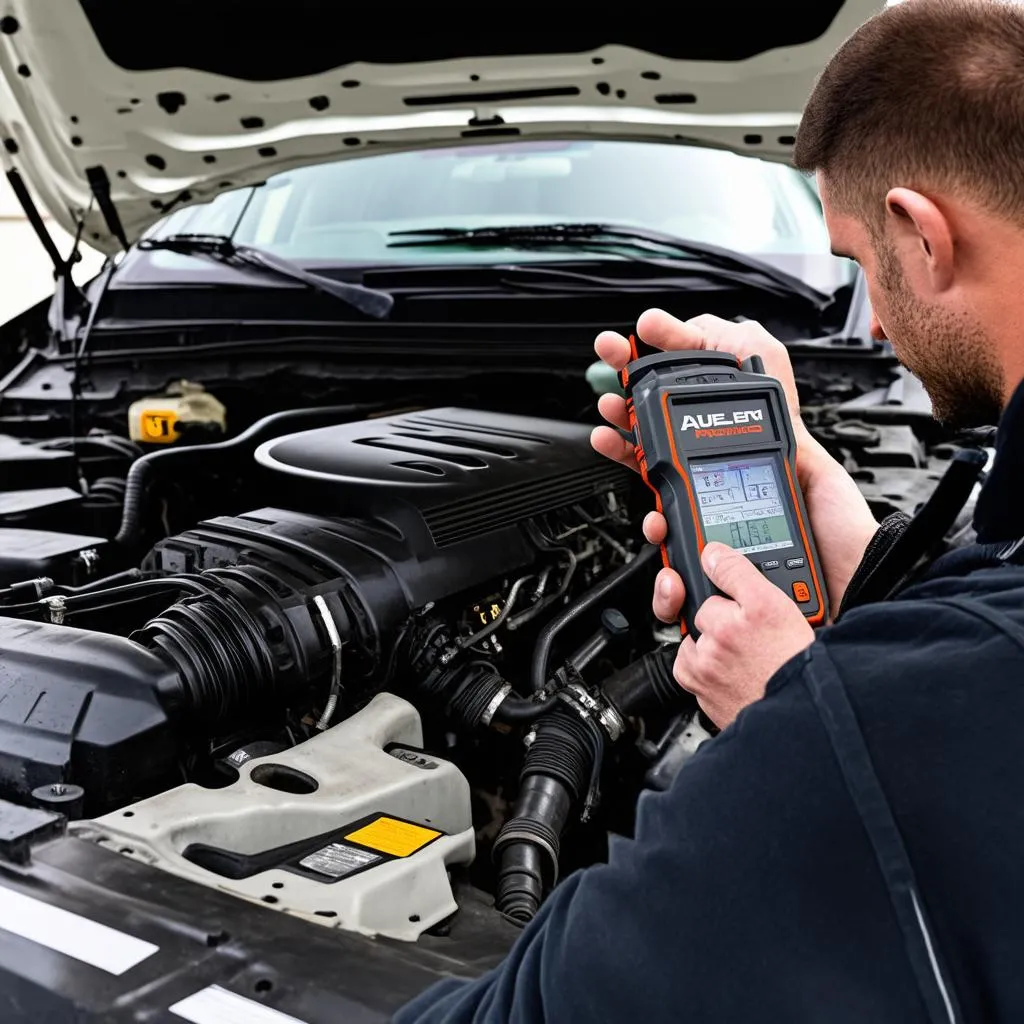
x: 849, y: 851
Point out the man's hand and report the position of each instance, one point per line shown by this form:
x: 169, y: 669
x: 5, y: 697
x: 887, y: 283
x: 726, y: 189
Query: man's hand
x: 745, y: 637
x: 840, y: 518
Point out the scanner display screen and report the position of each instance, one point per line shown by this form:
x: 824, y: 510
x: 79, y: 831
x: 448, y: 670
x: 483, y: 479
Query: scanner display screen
x: 740, y: 503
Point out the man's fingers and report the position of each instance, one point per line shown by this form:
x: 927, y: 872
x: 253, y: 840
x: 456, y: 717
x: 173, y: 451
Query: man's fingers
x: 612, y: 349
x: 746, y: 339
x: 707, y: 331
x: 684, y: 667
x: 734, y: 574
x: 716, y: 616
x: 613, y: 409
x: 723, y: 334
x: 655, y: 527
x: 662, y: 330
x: 668, y: 596
x: 611, y: 444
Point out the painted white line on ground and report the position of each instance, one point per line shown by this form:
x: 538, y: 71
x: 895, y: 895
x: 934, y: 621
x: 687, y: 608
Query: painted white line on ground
x: 76, y: 936
x: 216, y: 1005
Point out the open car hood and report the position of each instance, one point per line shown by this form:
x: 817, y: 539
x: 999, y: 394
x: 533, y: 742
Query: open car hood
x: 117, y: 113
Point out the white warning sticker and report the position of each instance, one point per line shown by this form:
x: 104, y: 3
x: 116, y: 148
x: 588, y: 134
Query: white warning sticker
x: 216, y: 1005
x: 338, y: 860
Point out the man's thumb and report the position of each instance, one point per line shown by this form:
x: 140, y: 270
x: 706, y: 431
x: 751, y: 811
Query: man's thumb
x: 733, y: 573
x: 660, y: 329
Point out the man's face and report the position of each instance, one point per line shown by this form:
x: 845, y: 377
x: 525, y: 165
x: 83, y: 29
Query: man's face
x: 937, y: 338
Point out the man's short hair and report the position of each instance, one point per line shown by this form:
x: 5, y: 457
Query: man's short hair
x: 927, y: 94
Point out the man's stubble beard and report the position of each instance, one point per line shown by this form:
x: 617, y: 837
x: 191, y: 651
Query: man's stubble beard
x: 949, y: 353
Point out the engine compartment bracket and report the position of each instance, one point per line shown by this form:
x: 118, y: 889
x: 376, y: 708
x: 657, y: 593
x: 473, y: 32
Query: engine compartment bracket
x: 336, y: 830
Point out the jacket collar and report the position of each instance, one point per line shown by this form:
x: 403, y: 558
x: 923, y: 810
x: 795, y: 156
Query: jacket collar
x: 999, y: 512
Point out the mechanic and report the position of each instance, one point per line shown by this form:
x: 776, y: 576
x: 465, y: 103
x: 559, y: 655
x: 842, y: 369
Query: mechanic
x: 850, y: 847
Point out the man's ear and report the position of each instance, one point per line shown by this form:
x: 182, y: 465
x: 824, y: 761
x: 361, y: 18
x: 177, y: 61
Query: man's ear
x: 923, y: 237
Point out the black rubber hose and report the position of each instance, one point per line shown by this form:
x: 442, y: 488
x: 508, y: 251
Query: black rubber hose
x: 143, y: 470
x: 646, y: 684
x: 556, y: 773
x: 472, y: 694
x: 562, y: 750
x: 596, y: 594
x: 131, y: 512
x: 236, y: 646
x: 517, y: 711
x: 467, y: 690
x: 525, y: 874
x: 529, y: 847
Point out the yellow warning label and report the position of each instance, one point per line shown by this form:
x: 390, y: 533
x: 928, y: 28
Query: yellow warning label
x: 158, y: 426
x: 389, y: 835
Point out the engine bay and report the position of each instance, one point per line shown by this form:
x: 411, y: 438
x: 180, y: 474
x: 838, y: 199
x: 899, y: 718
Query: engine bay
x: 417, y: 673
x: 290, y: 703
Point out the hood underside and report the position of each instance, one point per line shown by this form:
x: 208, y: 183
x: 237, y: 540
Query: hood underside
x: 164, y: 106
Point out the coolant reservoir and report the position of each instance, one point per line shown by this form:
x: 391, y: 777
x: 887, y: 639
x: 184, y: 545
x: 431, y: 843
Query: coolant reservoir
x: 161, y: 419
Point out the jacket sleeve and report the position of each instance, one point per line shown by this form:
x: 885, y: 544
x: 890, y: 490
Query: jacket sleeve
x: 749, y: 893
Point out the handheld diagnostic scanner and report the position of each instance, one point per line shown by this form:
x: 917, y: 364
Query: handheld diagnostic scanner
x: 715, y: 443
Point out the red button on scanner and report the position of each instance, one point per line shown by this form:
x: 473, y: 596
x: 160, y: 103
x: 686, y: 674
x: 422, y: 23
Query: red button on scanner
x: 801, y: 592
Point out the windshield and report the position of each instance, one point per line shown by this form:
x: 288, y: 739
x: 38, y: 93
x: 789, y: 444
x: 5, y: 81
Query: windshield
x: 343, y: 213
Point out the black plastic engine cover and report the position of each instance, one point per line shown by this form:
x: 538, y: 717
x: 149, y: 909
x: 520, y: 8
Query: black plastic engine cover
x: 467, y: 473
x: 401, y: 511
x: 81, y: 707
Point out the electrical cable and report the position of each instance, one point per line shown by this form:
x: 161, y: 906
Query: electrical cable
x: 77, y: 353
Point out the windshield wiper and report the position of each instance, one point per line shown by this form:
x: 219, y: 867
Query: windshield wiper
x: 607, y: 238
x: 222, y: 249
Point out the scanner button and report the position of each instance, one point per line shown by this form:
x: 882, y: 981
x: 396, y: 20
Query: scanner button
x: 794, y: 563
x: 772, y: 563
x: 801, y: 592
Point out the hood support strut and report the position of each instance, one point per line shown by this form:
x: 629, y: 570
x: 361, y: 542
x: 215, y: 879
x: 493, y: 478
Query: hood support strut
x: 99, y: 183
x: 35, y: 218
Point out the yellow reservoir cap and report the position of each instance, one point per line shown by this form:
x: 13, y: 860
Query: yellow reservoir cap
x: 160, y: 419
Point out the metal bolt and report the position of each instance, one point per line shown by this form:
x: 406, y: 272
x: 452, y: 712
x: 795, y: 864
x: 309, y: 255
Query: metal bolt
x: 57, y: 606
x: 58, y: 789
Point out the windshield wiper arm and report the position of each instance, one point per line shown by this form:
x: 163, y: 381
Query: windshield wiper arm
x: 247, y: 257
x: 544, y: 278
x: 610, y: 237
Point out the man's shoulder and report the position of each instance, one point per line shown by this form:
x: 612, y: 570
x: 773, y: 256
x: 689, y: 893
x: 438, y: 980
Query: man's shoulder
x: 907, y: 622
x: 986, y: 600
x: 949, y: 642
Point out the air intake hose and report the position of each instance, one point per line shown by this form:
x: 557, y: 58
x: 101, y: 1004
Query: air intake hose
x: 560, y: 769
x: 246, y: 641
x: 647, y: 685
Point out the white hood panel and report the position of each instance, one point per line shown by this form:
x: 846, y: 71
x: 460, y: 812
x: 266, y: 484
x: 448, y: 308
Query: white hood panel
x: 66, y: 108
